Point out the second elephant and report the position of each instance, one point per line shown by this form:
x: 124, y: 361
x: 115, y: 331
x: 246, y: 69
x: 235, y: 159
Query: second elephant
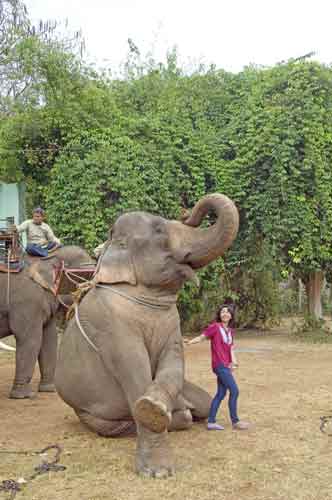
x: 27, y: 310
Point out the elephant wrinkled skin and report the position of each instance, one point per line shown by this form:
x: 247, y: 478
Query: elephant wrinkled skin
x: 30, y: 317
x: 121, y: 362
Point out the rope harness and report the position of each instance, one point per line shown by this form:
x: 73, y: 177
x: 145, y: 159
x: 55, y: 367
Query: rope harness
x: 11, y: 254
x: 8, y: 279
x: 81, y: 329
x: 83, y: 288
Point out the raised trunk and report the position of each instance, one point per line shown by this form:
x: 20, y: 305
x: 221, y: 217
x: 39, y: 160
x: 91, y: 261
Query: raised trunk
x: 198, y: 247
x: 313, y: 289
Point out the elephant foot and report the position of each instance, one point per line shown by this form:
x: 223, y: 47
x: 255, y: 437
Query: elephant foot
x: 181, y: 420
x: 152, y: 414
x: 44, y: 387
x: 153, y: 457
x: 22, y: 391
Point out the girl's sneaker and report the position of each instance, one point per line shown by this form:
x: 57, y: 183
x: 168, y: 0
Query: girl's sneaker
x: 213, y: 426
x: 241, y: 425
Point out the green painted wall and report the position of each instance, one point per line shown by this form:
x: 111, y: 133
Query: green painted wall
x: 12, y: 201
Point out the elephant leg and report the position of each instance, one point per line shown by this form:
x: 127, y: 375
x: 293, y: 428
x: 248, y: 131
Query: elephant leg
x: 154, y: 409
x: 133, y: 372
x: 153, y: 457
x: 199, y: 399
x: 131, y: 368
x: 27, y: 350
x: 181, y: 417
x: 181, y: 420
x: 107, y: 428
x: 47, y: 357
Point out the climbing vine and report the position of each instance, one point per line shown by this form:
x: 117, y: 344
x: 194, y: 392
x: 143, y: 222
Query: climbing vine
x: 90, y: 147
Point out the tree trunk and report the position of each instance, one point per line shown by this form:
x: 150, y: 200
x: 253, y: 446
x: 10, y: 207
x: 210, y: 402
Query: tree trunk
x: 314, y: 289
x: 300, y: 294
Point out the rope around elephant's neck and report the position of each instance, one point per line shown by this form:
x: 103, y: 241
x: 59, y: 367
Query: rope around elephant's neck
x: 144, y: 301
x: 81, y: 281
x: 85, y: 287
x: 81, y: 329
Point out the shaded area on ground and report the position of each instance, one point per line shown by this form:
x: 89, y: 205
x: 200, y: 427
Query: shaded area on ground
x: 285, y: 388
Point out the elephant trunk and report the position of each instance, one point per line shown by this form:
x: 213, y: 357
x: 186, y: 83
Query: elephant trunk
x: 197, y: 247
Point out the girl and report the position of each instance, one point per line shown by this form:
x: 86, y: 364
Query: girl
x: 220, y: 333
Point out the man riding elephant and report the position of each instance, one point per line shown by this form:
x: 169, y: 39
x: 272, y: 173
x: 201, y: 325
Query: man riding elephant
x: 40, y: 237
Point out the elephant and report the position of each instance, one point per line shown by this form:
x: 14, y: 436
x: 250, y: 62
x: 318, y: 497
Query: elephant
x: 121, y: 362
x: 28, y: 307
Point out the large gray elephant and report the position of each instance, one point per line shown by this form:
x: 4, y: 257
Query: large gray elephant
x: 28, y: 309
x: 121, y: 362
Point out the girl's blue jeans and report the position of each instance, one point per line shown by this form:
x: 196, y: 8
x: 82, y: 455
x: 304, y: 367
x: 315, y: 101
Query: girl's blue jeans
x: 226, y: 382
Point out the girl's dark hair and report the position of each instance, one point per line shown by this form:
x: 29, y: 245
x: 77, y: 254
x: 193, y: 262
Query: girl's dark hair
x: 231, y: 309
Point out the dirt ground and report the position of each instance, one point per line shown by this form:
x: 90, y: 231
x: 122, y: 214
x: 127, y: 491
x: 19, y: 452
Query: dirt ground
x: 285, y: 387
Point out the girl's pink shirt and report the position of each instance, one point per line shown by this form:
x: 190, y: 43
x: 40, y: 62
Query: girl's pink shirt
x: 220, y: 349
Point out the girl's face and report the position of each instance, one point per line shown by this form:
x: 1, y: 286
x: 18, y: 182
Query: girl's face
x: 225, y: 315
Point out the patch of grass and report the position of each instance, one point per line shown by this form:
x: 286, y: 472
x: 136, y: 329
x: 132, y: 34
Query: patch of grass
x: 308, y: 329
x: 285, y: 389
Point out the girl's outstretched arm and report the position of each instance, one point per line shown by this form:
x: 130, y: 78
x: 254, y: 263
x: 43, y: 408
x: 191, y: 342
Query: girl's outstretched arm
x: 196, y: 340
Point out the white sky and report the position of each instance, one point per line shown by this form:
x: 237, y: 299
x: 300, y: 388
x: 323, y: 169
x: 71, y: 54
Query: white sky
x: 230, y: 34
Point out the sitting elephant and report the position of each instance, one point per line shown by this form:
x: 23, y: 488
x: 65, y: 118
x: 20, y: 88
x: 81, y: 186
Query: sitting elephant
x: 27, y: 310
x: 121, y: 361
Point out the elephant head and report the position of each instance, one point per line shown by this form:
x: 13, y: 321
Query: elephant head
x: 150, y: 250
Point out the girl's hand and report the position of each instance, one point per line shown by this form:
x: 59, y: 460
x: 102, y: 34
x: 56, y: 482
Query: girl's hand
x: 234, y: 366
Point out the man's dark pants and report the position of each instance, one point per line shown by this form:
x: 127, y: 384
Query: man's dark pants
x: 39, y: 251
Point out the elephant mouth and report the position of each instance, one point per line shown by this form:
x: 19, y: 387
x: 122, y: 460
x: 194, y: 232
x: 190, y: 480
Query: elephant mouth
x: 187, y: 260
x: 187, y: 270
x: 190, y: 274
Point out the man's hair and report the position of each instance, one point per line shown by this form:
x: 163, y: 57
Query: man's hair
x: 38, y: 210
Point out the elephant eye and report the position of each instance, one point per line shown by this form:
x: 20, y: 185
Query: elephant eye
x: 120, y: 242
x: 159, y: 229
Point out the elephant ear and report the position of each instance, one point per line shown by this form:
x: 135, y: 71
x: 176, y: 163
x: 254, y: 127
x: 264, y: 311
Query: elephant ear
x: 116, y: 266
x: 44, y: 273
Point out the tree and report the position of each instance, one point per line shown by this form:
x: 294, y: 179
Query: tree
x: 14, y: 29
x: 282, y: 169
